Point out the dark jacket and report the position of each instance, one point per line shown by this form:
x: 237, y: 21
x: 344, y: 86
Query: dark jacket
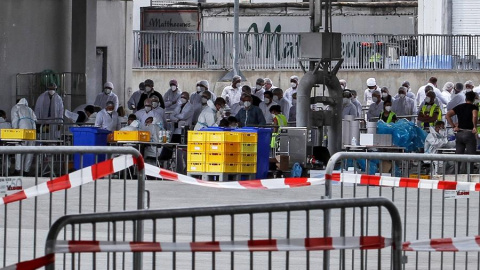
x: 252, y: 116
x: 144, y: 96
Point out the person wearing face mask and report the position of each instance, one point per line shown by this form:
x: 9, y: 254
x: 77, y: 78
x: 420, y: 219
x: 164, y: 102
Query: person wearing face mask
x: 436, y: 139
x: 421, y: 93
x: 237, y: 106
x: 259, y: 88
x: 132, y: 124
x: 207, y: 117
x: 357, y: 103
x: 161, y: 116
x: 279, y: 120
x: 172, y: 96
x: 387, y: 115
x: 183, y: 114
x: 430, y: 112
x: 343, y: 84
x: 293, y: 88
x: 371, y: 87
x: 375, y: 108
x: 447, y: 91
x: 385, y: 93
x: 135, y: 98
x: 280, y: 100
x: 232, y: 122
x: 149, y: 93
x: 23, y: 118
x: 266, y: 105
x: 196, y: 98
x: 107, y: 95
x: 469, y: 86
x: 268, y: 85
x: 108, y: 118
x: 255, y: 100
x: 148, y: 111
x: 250, y: 115
x: 403, y: 105
x: 233, y: 92
x: 48, y: 109
x: 347, y: 106
x: 292, y: 115
x: 220, y: 108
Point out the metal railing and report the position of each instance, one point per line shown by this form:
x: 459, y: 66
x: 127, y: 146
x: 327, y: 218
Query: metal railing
x: 289, y: 221
x: 427, y: 210
x: 24, y: 223
x: 213, y: 50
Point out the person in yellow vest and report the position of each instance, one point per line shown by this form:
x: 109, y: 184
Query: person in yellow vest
x: 429, y: 112
x: 279, y: 120
x: 387, y: 115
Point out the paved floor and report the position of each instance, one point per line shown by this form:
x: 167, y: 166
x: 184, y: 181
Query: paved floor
x: 426, y: 214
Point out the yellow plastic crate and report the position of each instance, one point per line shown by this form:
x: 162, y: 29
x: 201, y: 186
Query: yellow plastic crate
x: 248, y: 168
x: 219, y: 147
x: 19, y: 134
x: 196, y: 157
x: 195, y: 167
x: 248, y: 147
x: 248, y: 157
x: 249, y: 137
x: 138, y: 136
x: 196, y: 147
x: 223, y: 157
x: 223, y: 167
x: 223, y: 136
x: 196, y: 136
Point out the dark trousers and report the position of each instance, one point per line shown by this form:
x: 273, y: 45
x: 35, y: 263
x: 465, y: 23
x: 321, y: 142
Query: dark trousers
x: 466, y: 143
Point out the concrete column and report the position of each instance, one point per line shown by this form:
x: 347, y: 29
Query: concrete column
x: 84, y: 31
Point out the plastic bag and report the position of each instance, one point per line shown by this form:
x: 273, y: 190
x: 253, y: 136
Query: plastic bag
x: 296, y: 170
x: 404, y: 134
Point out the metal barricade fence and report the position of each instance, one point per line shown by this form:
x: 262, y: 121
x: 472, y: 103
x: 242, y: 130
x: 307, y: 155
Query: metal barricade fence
x: 27, y: 216
x: 445, y: 207
x: 291, y: 232
x: 214, y: 50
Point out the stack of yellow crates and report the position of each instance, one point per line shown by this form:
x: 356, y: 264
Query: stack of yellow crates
x: 222, y: 152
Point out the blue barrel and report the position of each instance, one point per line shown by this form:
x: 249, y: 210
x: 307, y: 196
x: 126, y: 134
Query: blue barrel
x: 264, y: 136
x: 88, y: 136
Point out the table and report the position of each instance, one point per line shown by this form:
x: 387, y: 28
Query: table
x: 373, y: 148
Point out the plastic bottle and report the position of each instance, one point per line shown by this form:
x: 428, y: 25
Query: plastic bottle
x: 354, y: 141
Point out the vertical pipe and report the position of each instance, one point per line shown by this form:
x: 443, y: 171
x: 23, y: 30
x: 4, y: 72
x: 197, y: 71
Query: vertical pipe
x: 235, y: 37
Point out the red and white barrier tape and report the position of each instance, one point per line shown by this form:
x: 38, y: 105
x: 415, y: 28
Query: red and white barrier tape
x: 294, y: 244
x: 389, y: 181
x: 76, y: 178
x: 277, y: 183
x: 32, y: 264
x: 471, y: 243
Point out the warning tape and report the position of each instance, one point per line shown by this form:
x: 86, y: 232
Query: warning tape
x: 76, y: 178
x: 389, y: 181
x: 32, y: 264
x: 276, y: 183
x: 465, y: 244
x: 293, y: 244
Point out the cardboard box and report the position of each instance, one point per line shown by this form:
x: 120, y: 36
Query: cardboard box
x: 376, y: 139
x: 283, y: 162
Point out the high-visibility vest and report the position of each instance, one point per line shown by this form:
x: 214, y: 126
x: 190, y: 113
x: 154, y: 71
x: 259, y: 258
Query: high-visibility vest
x: 432, y: 111
x: 282, y: 122
x: 390, y: 116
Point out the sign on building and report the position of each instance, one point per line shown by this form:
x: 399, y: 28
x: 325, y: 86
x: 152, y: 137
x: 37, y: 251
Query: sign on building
x: 169, y: 20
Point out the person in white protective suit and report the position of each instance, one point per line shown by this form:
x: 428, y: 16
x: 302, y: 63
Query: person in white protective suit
x: 207, y: 117
x: 106, y: 96
x: 23, y: 118
x: 49, y: 109
x: 183, y: 114
x: 135, y: 98
x: 148, y: 111
x: 152, y: 125
x: 132, y: 126
x: 438, y: 138
x: 172, y: 96
x: 108, y: 118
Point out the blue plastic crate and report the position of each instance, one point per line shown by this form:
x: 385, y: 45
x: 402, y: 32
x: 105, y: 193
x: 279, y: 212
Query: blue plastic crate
x: 263, y: 149
x: 88, y: 136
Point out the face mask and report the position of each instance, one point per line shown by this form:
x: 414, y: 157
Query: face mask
x: 51, y: 92
x: 108, y: 91
x: 275, y: 98
x: 183, y: 100
x: 154, y: 104
x: 258, y: 86
x: 273, y: 116
x: 199, y: 89
x: 237, y: 85
x: 468, y: 90
x: 204, y: 100
x: 148, y: 88
x: 109, y: 112
x: 294, y: 102
x: 402, y: 95
x: 173, y: 87
x: 234, y: 126
x: 267, y: 100
x: 384, y: 94
x: 293, y: 85
x: 346, y: 100
x: 388, y: 108
x: 148, y: 108
x: 142, y: 91
x: 343, y: 87
x: 247, y: 104
x: 427, y: 100
x: 221, y: 110
x: 374, y: 99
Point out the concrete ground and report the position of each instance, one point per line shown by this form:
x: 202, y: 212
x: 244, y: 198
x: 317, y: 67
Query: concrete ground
x: 425, y: 214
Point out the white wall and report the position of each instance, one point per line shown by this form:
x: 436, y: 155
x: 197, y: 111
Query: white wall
x: 431, y: 16
x: 137, y: 4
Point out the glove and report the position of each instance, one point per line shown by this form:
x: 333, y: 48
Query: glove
x: 451, y: 138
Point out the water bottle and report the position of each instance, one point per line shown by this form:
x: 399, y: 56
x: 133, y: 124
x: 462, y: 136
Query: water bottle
x: 354, y: 141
